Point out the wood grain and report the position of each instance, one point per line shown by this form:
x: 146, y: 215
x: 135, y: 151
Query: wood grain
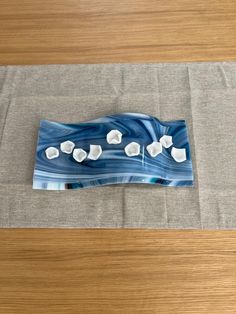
x: 82, y: 31
x: 117, y: 271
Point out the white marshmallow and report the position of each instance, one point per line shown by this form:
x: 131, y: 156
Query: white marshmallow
x: 52, y: 152
x: 114, y: 137
x: 179, y: 154
x: 154, y: 149
x: 166, y: 141
x: 79, y: 154
x: 132, y: 149
x: 67, y: 147
x: 95, y: 152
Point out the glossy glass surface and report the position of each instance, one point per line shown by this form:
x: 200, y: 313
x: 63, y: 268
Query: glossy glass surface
x: 112, y: 165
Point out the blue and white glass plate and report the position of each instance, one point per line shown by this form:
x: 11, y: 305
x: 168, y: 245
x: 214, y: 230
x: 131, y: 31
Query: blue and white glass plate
x: 119, y: 148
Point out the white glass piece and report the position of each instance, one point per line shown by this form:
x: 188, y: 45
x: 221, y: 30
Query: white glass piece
x: 132, y: 149
x: 52, y: 152
x: 166, y: 141
x: 95, y: 152
x: 79, y: 154
x: 154, y: 149
x: 179, y: 154
x: 67, y: 147
x: 114, y: 137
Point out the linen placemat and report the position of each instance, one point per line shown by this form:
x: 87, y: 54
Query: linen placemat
x: 203, y: 94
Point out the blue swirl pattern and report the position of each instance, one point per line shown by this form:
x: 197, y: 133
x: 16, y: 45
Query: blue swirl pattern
x: 113, y: 166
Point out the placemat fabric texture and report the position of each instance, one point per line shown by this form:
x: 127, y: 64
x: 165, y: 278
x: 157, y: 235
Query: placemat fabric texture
x: 204, y: 94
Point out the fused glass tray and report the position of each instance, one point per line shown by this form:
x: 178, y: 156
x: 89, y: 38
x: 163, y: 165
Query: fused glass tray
x: 119, y: 148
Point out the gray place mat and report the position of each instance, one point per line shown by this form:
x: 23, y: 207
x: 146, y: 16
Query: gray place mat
x: 204, y: 94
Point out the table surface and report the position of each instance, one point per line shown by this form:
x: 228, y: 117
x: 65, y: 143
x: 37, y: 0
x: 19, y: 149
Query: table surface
x: 117, y: 271
x: 82, y: 31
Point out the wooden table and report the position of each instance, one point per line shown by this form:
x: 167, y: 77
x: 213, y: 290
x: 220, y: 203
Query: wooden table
x: 82, y: 31
x: 117, y: 271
